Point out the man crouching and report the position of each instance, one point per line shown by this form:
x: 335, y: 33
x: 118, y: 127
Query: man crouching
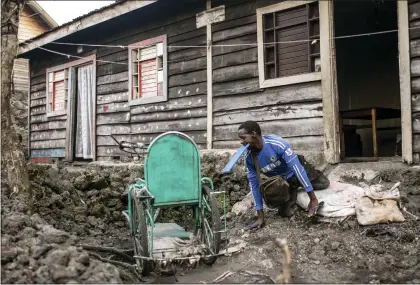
x: 287, y: 171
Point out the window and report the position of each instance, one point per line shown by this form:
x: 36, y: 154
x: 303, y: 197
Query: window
x: 148, y: 71
x: 57, y: 91
x: 58, y: 82
x: 288, y: 43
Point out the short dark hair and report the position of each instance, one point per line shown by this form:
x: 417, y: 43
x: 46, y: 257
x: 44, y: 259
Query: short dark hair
x: 250, y: 126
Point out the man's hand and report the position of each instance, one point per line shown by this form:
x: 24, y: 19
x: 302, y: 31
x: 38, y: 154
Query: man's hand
x: 312, y: 207
x: 313, y: 203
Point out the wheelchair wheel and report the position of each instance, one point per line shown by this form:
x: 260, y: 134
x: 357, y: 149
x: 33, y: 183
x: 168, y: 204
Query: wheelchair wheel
x: 140, y: 235
x: 211, y: 225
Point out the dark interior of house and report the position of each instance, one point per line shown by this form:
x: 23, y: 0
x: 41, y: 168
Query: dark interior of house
x: 368, y: 78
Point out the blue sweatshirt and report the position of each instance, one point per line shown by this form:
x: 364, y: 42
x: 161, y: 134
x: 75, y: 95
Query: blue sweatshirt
x: 276, y: 158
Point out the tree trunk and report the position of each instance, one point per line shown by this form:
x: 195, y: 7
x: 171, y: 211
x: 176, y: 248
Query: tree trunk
x: 12, y: 151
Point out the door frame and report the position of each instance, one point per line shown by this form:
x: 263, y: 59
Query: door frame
x: 329, y: 83
x: 332, y: 148
x: 71, y: 109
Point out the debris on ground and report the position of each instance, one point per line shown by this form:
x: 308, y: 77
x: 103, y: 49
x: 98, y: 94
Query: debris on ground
x: 244, y: 206
x: 379, y: 205
x: 78, y: 207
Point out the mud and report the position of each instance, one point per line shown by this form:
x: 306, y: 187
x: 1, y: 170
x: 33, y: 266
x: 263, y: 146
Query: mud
x: 83, y: 206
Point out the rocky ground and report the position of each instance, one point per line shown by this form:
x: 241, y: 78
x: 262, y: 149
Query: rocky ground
x: 77, y: 207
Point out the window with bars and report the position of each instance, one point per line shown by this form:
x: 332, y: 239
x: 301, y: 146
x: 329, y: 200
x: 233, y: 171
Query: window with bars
x: 148, y: 69
x: 57, y: 92
x: 290, y: 36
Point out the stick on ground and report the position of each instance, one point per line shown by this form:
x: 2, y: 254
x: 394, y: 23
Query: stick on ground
x: 286, y: 276
x: 108, y: 249
x: 130, y: 267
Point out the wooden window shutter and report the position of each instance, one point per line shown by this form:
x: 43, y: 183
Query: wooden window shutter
x: 57, y: 90
x: 148, y: 72
x: 298, y: 31
x: 148, y: 78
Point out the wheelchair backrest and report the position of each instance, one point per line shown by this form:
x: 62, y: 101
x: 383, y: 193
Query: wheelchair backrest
x: 172, y: 170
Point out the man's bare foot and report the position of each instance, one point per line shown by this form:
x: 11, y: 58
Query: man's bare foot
x: 257, y: 224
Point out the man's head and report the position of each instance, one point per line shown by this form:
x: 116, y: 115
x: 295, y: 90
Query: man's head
x: 250, y: 133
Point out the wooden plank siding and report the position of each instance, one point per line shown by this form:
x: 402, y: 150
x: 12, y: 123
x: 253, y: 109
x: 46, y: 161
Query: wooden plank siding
x: 30, y: 25
x: 414, y: 21
x: 21, y: 75
x: 294, y: 111
x: 47, y: 134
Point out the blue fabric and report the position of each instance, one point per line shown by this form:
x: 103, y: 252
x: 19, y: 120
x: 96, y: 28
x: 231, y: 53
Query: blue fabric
x: 235, y: 158
x: 276, y: 158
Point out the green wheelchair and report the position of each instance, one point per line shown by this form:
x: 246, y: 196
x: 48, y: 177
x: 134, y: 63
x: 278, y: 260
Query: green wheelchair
x: 172, y: 177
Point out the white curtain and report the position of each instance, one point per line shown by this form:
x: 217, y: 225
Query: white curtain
x: 84, y: 112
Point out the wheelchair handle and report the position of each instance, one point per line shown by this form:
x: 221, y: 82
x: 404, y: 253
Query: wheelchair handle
x: 124, y: 145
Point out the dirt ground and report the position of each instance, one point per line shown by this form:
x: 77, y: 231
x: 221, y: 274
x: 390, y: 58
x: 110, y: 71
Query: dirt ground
x: 333, y: 252
x: 83, y: 207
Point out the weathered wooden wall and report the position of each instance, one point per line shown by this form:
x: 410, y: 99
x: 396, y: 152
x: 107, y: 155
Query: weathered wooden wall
x: 30, y: 25
x: 414, y: 21
x: 47, y: 135
x: 294, y: 112
x: 185, y: 109
x: 21, y: 75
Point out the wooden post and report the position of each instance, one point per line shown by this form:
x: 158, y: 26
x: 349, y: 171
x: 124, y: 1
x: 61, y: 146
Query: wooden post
x: 329, y: 83
x: 405, y: 81
x: 207, y: 18
x: 374, y: 137
x: 209, y: 83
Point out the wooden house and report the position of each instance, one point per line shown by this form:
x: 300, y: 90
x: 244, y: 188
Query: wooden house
x: 332, y: 86
x: 33, y: 22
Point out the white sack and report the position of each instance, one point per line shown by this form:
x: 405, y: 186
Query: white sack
x: 339, y: 199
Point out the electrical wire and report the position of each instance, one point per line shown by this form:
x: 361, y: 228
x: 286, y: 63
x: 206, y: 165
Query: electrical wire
x: 80, y: 57
x: 235, y: 45
x: 313, y: 41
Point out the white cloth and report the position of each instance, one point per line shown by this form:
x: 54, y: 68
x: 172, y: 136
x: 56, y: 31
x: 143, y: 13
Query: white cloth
x: 85, y: 83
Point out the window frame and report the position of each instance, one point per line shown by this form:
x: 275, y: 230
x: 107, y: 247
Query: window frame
x: 144, y: 44
x: 285, y: 80
x: 88, y: 59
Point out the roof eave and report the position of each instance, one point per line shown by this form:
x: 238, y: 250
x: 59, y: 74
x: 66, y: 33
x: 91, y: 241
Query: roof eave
x: 43, y: 14
x: 82, y: 23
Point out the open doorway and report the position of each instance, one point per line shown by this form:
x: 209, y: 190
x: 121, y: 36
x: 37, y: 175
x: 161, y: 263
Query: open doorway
x: 368, y: 78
